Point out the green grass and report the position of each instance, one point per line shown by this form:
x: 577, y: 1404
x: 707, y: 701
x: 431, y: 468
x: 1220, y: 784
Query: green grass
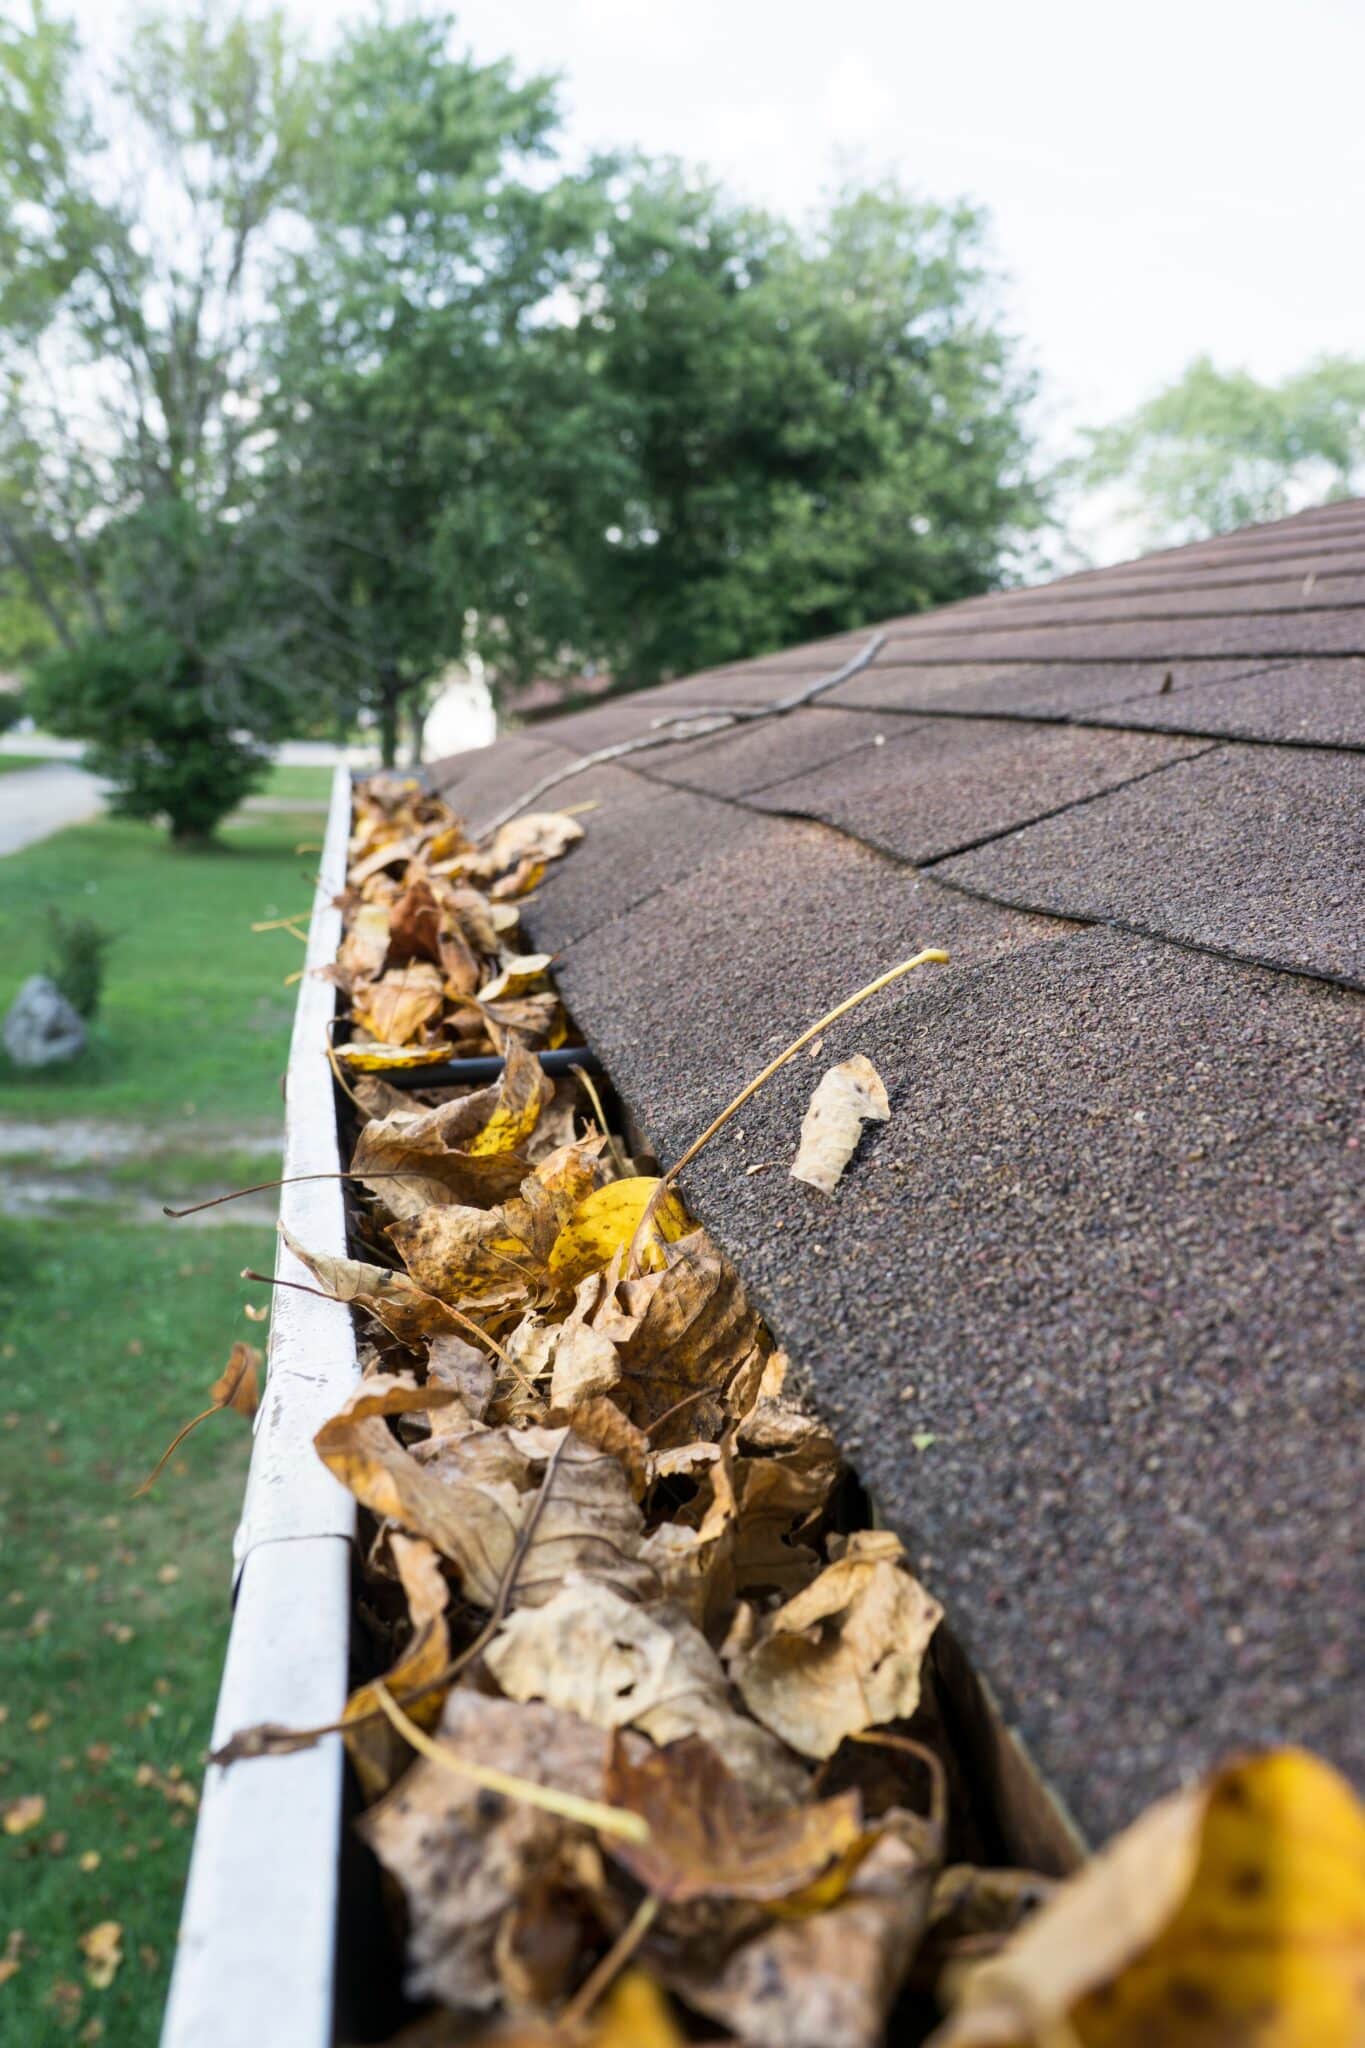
x: 112, y: 1611
x: 195, y: 1023
x: 302, y: 785
x: 11, y: 764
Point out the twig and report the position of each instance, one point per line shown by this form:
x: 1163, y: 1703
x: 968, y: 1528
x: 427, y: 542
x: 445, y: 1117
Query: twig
x: 618, y: 1158
x: 930, y: 954
x: 609, y: 1969
x: 688, y: 725
x: 173, y: 1446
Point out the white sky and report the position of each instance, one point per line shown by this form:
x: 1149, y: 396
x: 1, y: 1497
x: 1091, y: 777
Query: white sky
x: 1165, y: 179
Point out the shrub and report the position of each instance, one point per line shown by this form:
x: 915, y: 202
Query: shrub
x: 76, y: 953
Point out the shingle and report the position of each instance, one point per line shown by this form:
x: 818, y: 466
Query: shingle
x: 479, y: 783
x: 1098, y: 1257
x: 947, y: 783
x: 1256, y: 852
x: 1057, y: 606
x: 639, y: 838
x: 1322, y: 702
x: 748, y: 757
x: 1319, y: 632
x: 1022, y: 688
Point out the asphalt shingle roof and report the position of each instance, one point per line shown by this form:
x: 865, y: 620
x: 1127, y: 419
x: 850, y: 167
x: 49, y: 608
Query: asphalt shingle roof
x: 1107, y: 1252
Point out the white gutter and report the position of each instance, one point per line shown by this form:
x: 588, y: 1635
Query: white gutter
x: 255, y: 1962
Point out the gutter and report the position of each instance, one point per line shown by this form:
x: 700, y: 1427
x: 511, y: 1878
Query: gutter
x: 256, y: 1957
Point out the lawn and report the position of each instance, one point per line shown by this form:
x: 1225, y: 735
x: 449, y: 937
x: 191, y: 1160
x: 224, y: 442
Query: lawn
x: 11, y: 764
x: 302, y: 785
x: 194, y: 1029
x: 113, y: 1612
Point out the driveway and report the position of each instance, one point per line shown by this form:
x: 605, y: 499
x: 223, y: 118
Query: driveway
x: 40, y: 800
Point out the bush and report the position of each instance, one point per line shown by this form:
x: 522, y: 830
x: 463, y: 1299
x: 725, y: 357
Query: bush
x: 76, y: 952
x: 176, y: 701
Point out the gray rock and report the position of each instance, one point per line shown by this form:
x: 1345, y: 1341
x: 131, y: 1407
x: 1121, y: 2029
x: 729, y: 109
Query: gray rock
x: 42, y: 1027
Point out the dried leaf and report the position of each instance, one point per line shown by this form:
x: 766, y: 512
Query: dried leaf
x: 102, y: 1947
x: 406, y: 1310
x: 686, y: 1334
x: 845, y: 1098
x: 465, y: 1858
x: 465, y: 1256
x: 606, y: 1221
x: 1230, y: 1913
x: 396, y: 1007
x: 589, y: 1652
x: 238, y: 1384
x: 364, y: 1056
x: 845, y: 1654
x: 535, y: 836
x: 375, y: 1749
x: 25, y: 1812
x: 364, y: 949
x: 464, y: 1151
x: 830, y: 1980
x: 706, y: 1837
x: 634, y: 2014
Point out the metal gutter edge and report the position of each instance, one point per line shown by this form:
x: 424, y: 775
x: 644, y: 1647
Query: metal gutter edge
x: 256, y: 1956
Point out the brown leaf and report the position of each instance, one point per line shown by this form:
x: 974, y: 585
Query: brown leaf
x: 394, y: 1009
x: 845, y: 1098
x: 465, y: 1858
x: 238, y: 1384
x: 536, y: 836
x: 363, y: 951
x: 375, y: 1749
x: 406, y: 1310
x: 415, y: 924
x: 845, y: 1654
x: 590, y: 1653
x: 465, y: 1256
x: 471, y: 1493
x: 828, y: 1980
x: 686, y: 1331
x: 706, y: 1837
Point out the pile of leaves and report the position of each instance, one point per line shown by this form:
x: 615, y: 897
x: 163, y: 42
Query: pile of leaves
x: 643, y: 1764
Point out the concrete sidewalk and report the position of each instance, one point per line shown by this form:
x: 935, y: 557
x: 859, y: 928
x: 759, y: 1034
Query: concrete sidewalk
x: 37, y: 801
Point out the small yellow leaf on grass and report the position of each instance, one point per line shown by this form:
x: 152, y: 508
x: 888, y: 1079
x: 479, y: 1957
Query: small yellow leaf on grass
x: 845, y: 1098
x: 102, y: 1948
x: 24, y: 1813
x: 1231, y: 1913
x: 605, y: 1221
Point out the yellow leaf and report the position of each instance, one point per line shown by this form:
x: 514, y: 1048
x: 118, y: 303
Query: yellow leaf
x: 1228, y: 1915
x: 24, y: 1813
x: 102, y: 1948
x: 605, y: 1221
x: 523, y: 1093
x: 367, y: 1057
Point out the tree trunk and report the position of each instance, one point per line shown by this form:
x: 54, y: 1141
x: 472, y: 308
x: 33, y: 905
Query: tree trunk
x: 390, y: 704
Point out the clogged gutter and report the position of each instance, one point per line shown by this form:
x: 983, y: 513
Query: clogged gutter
x: 645, y: 1741
x: 651, y: 1751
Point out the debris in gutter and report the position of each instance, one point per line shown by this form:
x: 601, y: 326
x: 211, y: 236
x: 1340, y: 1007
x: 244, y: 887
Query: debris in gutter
x: 650, y: 1746
x: 846, y: 1097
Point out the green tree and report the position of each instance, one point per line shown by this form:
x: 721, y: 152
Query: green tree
x: 136, y: 245
x: 429, y: 427
x: 822, y: 428
x: 1219, y: 449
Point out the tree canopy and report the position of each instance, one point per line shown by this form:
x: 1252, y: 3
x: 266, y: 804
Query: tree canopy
x: 323, y: 372
x: 1219, y: 449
